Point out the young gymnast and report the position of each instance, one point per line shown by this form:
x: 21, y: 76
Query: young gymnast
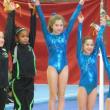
x: 24, y: 61
x: 56, y: 37
x: 3, y: 70
x: 87, y: 53
x: 5, y: 44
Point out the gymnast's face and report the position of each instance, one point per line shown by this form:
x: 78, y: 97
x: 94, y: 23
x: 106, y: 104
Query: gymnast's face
x: 58, y: 27
x: 88, y: 46
x: 1, y: 39
x: 23, y: 37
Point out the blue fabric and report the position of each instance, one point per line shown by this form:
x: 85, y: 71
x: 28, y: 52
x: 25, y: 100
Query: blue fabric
x: 108, y: 96
x: 105, y: 59
x: 57, y: 44
x: 87, y: 63
x: 104, y: 56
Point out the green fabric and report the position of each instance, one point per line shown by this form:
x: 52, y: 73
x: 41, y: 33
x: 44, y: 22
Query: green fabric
x: 108, y: 22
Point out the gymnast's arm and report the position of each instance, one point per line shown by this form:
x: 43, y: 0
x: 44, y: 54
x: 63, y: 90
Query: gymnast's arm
x: 10, y: 31
x: 32, y: 33
x: 73, y: 19
x: 79, y: 39
x: 42, y: 19
x: 100, y: 33
x: 104, y: 56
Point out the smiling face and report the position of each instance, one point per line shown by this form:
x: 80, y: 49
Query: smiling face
x: 56, y: 24
x: 88, y: 46
x: 1, y: 39
x: 58, y: 27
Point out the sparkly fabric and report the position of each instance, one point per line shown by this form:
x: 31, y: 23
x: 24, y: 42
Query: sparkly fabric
x: 87, y: 63
x: 105, y: 59
x: 57, y: 44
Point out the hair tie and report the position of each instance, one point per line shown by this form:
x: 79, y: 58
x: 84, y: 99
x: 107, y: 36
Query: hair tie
x: 19, y: 30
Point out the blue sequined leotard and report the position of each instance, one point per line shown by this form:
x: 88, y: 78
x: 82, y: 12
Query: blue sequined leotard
x: 57, y: 44
x: 105, y: 59
x: 87, y: 63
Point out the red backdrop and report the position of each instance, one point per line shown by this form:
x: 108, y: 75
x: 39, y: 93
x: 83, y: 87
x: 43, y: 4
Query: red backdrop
x: 107, y: 33
x: 91, y: 13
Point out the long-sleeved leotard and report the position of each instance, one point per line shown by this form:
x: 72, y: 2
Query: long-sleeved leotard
x: 57, y: 44
x: 87, y: 63
x: 105, y: 59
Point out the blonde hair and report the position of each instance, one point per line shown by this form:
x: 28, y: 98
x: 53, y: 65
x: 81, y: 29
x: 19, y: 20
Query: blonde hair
x: 86, y: 38
x: 53, y: 19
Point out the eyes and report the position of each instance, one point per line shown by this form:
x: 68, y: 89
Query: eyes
x: 89, y: 43
x: 59, y: 25
x: 24, y: 34
x: 92, y: 45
